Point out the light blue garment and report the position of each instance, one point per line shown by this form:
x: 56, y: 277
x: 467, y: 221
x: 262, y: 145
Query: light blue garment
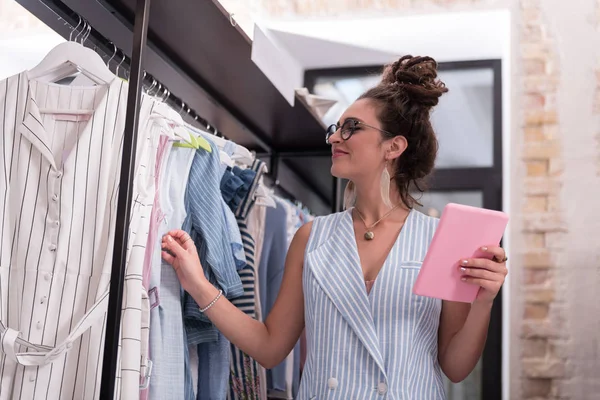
x: 207, y: 226
x: 213, y: 369
x: 167, y: 346
x: 368, y: 346
x: 270, y: 271
x: 190, y: 380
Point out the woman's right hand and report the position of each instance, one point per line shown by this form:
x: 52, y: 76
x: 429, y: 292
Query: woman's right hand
x: 178, y: 249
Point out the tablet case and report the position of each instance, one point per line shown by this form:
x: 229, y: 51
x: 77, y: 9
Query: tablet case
x: 461, y: 233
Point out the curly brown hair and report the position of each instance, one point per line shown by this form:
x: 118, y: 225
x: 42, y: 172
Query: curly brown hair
x: 404, y: 98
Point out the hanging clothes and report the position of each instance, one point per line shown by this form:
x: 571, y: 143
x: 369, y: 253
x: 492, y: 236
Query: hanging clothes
x: 235, y: 186
x: 270, y: 271
x: 256, y: 229
x: 244, y: 382
x: 167, y: 335
x: 157, y: 215
x: 60, y: 189
x: 207, y: 227
x: 213, y: 369
x: 59, y: 194
x: 133, y: 350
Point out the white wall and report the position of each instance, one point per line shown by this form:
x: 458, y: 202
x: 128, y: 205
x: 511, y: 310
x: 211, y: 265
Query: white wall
x: 450, y: 36
x: 25, y: 51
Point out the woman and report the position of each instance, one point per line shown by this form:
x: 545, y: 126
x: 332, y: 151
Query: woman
x: 348, y: 276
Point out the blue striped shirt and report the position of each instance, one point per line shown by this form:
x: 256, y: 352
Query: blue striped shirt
x: 207, y: 226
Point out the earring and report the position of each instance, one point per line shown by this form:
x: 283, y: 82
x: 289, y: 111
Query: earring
x: 349, y: 195
x: 386, y: 180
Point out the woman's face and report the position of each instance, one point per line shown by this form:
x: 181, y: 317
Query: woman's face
x: 363, y: 155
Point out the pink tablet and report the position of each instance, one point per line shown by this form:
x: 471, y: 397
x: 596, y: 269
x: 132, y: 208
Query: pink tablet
x: 461, y: 233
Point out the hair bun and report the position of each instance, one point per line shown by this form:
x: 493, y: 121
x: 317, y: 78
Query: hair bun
x: 415, y: 80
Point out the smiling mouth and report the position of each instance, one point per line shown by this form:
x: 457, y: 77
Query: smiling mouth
x: 338, y: 154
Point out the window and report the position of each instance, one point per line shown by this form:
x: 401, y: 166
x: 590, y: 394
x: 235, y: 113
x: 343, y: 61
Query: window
x: 24, y: 40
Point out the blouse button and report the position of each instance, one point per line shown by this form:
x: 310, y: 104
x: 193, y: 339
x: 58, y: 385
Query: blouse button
x: 382, y: 388
x: 332, y: 383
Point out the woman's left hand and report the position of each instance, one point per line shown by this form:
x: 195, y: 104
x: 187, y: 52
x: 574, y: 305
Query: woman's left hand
x: 486, y: 273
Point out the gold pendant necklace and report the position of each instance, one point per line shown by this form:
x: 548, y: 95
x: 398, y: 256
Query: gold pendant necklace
x: 369, y: 234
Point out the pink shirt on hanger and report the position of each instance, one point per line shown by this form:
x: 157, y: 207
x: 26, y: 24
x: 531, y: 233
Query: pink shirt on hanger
x: 157, y: 214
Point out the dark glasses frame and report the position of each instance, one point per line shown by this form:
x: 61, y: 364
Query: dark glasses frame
x: 348, y: 128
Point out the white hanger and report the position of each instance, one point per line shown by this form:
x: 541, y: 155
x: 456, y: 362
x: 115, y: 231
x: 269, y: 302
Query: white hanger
x: 225, y: 159
x: 167, y: 112
x: 242, y: 155
x: 165, y: 115
x: 68, y: 58
x: 174, y: 123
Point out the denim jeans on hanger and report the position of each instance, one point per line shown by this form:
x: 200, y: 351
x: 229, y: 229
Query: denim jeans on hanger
x: 213, y: 369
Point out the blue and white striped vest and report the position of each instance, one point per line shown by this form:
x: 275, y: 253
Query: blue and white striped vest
x: 376, y: 346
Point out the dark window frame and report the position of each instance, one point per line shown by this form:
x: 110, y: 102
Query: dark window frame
x: 486, y: 179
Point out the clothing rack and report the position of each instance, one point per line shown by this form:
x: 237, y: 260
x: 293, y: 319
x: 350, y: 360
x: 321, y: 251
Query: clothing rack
x: 82, y: 31
x: 103, y: 19
x: 223, y: 84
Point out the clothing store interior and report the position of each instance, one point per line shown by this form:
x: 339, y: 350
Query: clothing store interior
x: 175, y: 160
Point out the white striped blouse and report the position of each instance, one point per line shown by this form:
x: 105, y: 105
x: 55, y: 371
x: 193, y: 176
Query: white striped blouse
x: 58, y: 198
x: 369, y: 346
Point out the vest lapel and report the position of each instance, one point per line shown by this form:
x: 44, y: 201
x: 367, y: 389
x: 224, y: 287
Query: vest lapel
x: 336, y: 268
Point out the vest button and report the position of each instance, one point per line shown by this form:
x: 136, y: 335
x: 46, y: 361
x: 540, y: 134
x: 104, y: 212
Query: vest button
x: 382, y: 388
x: 332, y: 383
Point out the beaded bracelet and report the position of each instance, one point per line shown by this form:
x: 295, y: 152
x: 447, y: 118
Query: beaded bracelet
x: 212, y: 303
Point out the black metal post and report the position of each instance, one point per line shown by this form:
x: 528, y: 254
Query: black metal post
x: 111, y: 341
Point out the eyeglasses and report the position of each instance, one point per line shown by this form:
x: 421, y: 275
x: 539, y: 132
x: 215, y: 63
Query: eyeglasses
x: 348, y: 128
